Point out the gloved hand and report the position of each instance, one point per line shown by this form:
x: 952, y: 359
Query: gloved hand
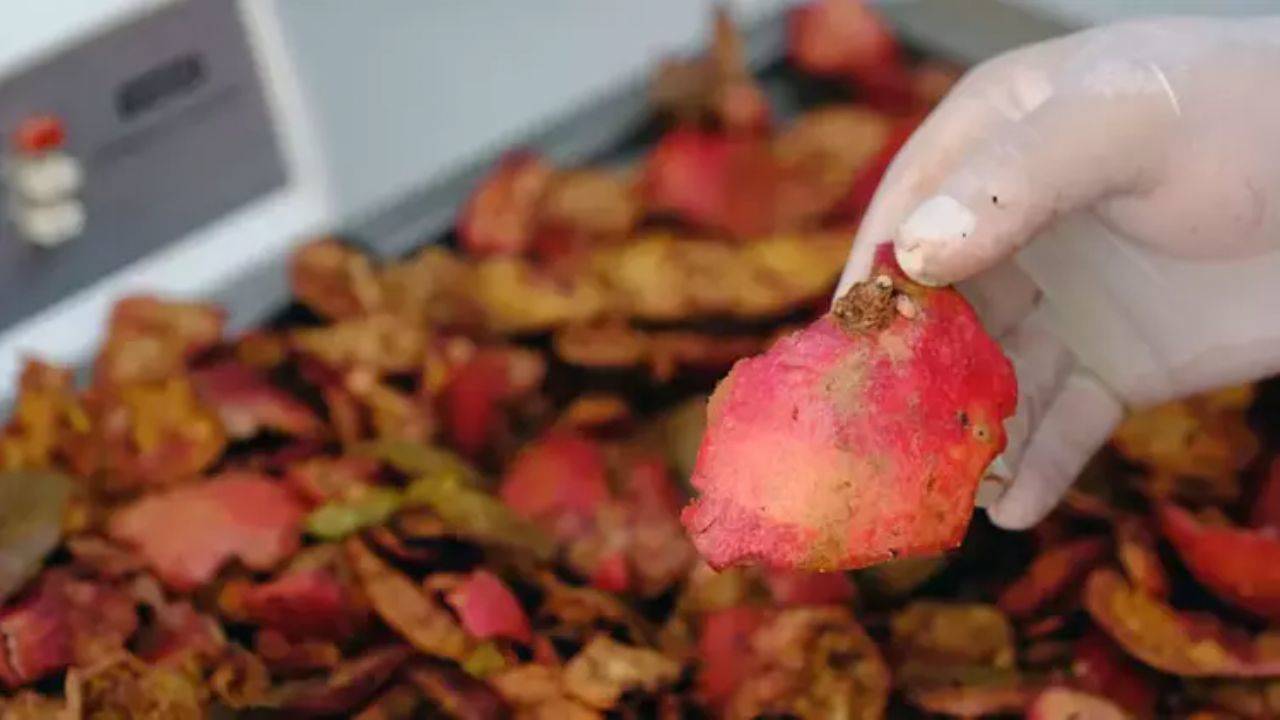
x: 1110, y: 203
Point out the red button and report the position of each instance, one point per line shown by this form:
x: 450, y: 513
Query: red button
x: 39, y: 134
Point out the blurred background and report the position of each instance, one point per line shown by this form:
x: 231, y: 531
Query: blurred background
x: 346, y: 110
x: 413, y: 88
x: 366, y: 352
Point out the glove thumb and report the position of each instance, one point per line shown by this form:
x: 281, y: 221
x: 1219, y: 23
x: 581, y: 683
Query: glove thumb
x: 1076, y: 423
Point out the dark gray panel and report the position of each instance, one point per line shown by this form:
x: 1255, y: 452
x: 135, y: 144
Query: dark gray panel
x: 969, y: 31
x: 168, y: 118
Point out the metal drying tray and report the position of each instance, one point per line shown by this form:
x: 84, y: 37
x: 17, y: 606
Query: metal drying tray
x: 618, y: 125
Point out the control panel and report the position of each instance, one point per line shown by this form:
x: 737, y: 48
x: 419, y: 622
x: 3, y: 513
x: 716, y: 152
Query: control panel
x: 123, y: 144
x: 44, y: 183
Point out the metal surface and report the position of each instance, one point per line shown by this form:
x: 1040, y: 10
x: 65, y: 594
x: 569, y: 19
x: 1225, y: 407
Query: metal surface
x: 168, y: 118
x: 968, y: 31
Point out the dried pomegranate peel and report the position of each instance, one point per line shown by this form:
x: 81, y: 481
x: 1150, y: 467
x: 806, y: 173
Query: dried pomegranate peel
x: 857, y: 440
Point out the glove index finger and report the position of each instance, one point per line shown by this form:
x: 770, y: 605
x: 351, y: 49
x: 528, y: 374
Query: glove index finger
x: 899, y: 191
x: 941, y: 140
x: 1065, y: 155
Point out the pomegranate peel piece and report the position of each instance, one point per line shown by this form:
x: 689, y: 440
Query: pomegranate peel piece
x: 334, y: 279
x: 47, y: 419
x: 149, y: 434
x: 1099, y: 667
x: 279, y: 654
x: 188, y: 533
x: 1266, y: 505
x: 686, y: 175
x: 604, y: 669
x: 150, y: 339
x: 838, y: 37
x: 461, y: 690
x: 488, y: 609
x: 1139, y: 558
x: 344, y: 689
x: 957, y: 659
x: 1061, y: 703
x: 1239, y: 565
x: 179, y: 633
x: 1178, y: 643
x: 847, y: 40
x: 984, y: 693
x: 412, y: 613
x: 789, y: 588
x: 1050, y: 574
x: 248, y: 403
x: 58, y: 622
x: 716, y: 88
x: 937, y: 634
x: 588, y: 203
x: 1231, y: 699
x: 500, y: 216
x: 319, y: 480
x: 724, y: 650
x: 302, y: 604
x: 857, y: 440
x: 810, y: 662
x: 474, y: 396
x: 1194, y: 447
x: 558, y: 481
x: 728, y: 184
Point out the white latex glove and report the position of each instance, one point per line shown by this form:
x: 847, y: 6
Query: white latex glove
x: 1110, y: 203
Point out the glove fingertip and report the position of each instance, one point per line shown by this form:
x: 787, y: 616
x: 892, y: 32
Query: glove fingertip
x: 1076, y: 424
x: 931, y: 237
x: 1027, y: 501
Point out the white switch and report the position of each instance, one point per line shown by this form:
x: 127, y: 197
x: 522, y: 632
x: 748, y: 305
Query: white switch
x: 44, y: 183
x: 52, y: 224
x: 46, y: 178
